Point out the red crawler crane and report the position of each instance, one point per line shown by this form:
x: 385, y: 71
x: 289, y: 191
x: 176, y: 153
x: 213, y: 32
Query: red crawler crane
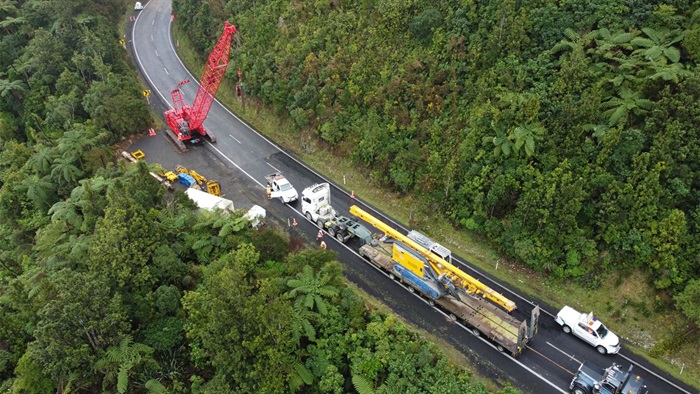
x: 185, y: 122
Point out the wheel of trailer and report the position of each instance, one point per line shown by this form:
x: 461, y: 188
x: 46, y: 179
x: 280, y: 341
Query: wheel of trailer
x: 500, y: 348
x: 431, y: 302
x: 579, y: 390
x: 476, y: 332
x: 331, y: 231
x: 411, y: 289
x: 319, y: 223
x: 452, y: 317
x: 308, y: 216
x: 566, y: 329
x: 339, y: 237
x: 601, y: 350
x: 391, y: 276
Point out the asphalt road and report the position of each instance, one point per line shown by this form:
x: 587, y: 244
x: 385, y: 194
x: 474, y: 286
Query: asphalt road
x: 242, y: 157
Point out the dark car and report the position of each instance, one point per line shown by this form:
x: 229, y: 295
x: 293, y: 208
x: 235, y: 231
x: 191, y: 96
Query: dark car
x: 593, y: 379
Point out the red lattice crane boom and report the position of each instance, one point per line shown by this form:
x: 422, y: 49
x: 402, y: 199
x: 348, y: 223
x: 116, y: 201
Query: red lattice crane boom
x: 185, y: 122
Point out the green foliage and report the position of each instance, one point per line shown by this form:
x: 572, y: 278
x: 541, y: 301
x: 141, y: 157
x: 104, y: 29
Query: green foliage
x: 118, y: 362
x: 688, y: 300
x: 78, y: 321
x: 422, y: 25
x: 167, y: 299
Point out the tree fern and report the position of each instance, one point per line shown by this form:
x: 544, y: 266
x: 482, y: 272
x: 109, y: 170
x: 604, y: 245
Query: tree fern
x: 362, y: 385
x: 155, y: 387
x: 304, y: 373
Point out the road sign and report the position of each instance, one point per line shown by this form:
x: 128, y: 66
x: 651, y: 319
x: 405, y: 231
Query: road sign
x: 146, y: 93
x: 121, y: 41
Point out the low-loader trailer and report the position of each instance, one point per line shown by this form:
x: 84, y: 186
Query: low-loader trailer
x: 442, y: 284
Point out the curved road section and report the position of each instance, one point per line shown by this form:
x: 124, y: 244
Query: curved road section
x: 549, y: 363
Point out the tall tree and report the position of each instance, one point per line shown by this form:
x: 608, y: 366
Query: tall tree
x: 80, y: 319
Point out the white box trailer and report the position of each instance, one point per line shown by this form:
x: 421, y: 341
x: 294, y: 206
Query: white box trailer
x: 208, y: 201
x: 255, y: 215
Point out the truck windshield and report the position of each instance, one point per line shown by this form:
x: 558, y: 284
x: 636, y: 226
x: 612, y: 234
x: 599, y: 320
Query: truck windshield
x: 602, y: 331
x: 285, y: 186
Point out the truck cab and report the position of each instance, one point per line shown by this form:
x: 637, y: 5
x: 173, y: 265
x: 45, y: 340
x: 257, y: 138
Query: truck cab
x: 589, y: 329
x: 316, y: 204
x: 593, y: 379
x: 281, y: 188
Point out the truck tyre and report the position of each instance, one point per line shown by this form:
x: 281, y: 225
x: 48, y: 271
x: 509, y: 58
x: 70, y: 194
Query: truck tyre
x: 500, y: 348
x: 331, y: 231
x: 308, y: 216
x: 319, y: 223
x: 411, y: 289
x: 340, y: 238
x: 392, y: 277
x: 579, y: 390
x: 566, y: 329
x: 452, y: 317
x: 431, y: 302
x: 601, y: 350
x: 476, y: 332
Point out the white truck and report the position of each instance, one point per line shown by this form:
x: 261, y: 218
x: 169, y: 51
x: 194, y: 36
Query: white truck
x: 281, y: 188
x: 588, y: 328
x: 316, y: 204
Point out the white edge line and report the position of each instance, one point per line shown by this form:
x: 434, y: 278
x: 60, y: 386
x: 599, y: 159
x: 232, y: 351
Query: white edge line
x: 654, y: 373
x: 273, y: 167
x: 232, y: 162
x: 138, y: 59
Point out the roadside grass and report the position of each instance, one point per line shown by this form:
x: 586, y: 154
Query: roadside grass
x: 627, y: 304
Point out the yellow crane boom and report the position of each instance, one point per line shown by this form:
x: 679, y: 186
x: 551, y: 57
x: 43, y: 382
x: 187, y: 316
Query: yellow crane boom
x: 458, y: 277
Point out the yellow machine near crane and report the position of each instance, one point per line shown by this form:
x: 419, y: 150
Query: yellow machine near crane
x: 209, y: 186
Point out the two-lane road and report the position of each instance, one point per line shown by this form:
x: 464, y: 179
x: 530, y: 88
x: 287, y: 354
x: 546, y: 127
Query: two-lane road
x: 546, y: 367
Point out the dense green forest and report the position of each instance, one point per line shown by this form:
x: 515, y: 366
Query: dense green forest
x: 565, y: 132
x: 108, y: 283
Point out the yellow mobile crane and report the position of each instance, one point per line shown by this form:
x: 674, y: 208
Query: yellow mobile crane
x: 457, y: 277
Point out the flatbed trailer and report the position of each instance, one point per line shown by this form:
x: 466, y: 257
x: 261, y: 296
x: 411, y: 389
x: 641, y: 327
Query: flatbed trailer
x: 482, y: 318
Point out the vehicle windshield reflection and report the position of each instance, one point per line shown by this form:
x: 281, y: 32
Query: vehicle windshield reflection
x: 602, y: 331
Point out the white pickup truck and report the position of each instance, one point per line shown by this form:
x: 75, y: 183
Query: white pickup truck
x: 588, y: 328
x: 281, y: 188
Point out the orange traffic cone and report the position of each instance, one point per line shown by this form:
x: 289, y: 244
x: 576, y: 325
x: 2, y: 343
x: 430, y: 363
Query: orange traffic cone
x: 294, y: 222
x: 352, y: 194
